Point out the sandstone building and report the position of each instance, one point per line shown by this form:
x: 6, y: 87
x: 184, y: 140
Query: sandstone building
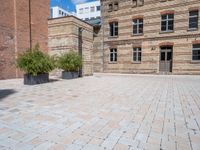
x: 149, y: 36
x: 23, y: 23
x: 72, y: 34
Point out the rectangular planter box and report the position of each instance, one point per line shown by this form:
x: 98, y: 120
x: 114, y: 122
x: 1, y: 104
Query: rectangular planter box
x: 69, y: 75
x: 39, y: 79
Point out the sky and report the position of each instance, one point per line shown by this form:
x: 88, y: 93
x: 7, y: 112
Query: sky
x: 67, y: 4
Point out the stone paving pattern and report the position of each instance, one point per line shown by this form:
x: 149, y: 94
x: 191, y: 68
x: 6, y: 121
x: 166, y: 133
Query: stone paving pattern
x: 118, y: 112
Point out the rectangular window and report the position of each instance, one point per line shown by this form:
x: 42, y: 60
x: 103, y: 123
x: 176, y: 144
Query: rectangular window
x: 140, y: 2
x: 137, y: 26
x: 134, y: 3
x: 167, y: 22
x: 193, y: 19
x: 137, y: 54
x: 110, y: 7
x: 116, y: 6
x: 98, y: 8
x: 113, y: 28
x: 81, y: 11
x: 86, y: 9
x: 113, y: 55
x: 92, y: 9
x: 196, y: 52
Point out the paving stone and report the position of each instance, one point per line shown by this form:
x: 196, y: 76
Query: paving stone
x: 103, y: 111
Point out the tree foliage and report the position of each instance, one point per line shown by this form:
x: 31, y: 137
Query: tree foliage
x: 35, y: 62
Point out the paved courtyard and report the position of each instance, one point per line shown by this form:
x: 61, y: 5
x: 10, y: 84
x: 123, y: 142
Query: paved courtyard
x: 118, y: 112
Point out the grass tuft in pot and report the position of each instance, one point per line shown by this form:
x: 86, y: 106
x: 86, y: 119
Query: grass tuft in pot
x: 70, y: 62
x: 36, y: 65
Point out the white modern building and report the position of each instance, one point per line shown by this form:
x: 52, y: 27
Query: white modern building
x: 56, y: 12
x: 89, y: 10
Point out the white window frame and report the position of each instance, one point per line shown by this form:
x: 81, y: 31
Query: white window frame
x: 137, y: 54
x: 167, y: 22
x: 114, y: 51
x: 195, y: 49
x: 195, y: 16
x: 138, y: 23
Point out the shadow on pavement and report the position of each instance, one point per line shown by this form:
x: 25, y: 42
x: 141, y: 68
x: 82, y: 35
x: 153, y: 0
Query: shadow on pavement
x: 6, y: 92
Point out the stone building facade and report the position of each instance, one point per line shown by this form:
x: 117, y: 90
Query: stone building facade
x: 150, y: 36
x: 23, y: 23
x: 71, y: 34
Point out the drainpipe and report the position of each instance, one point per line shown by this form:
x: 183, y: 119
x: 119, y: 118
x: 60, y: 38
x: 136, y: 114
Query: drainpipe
x: 102, y: 22
x: 30, y: 31
x: 80, y: 48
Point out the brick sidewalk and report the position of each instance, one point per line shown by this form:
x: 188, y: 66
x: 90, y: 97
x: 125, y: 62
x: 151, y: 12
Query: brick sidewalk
x: 117, y: 112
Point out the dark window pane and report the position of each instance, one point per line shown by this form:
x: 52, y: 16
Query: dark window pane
x: 194, y: 13
x: 162, y: 56
x: 171, y: 16
x: 169, y: 55
x: 193, y: 23
x: 141, y: 28
x: 139, y: 56
x: 134, y: 29
x: 163, y: 26
x: 115, y: 57
x: 196, y: 46
x: 164, y: 17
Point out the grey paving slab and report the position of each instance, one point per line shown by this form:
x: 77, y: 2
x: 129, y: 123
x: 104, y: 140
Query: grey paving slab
x: 104, y: 111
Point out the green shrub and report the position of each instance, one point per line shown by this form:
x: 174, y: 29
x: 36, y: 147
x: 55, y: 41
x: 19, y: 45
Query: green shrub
x: 35, y: 62
x: 70, y: 61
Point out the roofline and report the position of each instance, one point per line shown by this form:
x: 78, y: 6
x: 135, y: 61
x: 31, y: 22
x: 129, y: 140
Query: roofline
x: 68, y: 17
x: 87, y: 2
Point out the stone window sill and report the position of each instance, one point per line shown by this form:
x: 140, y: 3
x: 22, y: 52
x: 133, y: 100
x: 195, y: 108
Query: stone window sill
x: 112, y: 37
x: 136, y: 62
x: 193, y: 29
x: 195, y: 62
x: 166, y: 32
x: 140, y: 34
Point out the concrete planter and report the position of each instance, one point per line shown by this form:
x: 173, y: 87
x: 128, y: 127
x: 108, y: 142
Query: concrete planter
x: 70, y: 75
x: 39, y: 79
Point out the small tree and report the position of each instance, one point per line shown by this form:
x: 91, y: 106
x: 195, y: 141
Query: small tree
x: 71, y: 61
x: 35, y: 62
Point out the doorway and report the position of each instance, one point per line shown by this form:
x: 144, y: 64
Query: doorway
x: 166, y: 56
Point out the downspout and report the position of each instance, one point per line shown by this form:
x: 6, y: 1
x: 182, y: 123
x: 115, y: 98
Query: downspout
x: 15, y: 37
x: 102, y: 13
x: 30, y: 32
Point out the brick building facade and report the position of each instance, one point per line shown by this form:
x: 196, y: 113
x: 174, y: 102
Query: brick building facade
x: 23, y: 23
x: 71, y: 34
x: 150, y: 36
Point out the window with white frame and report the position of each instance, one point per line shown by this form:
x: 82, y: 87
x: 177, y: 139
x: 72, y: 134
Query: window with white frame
x: 113, y: 28
x: 138, y: 26
x: 81, y: 11
x: 137, y: 54
x: 193, y: 19
x: 86, y: 9
x: 167, y: 22
x: 196, y: 52
x: 92, y: 9
x: 113, y: 55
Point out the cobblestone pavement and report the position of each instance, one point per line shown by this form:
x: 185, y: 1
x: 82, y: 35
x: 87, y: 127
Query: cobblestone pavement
x: 120, y: 112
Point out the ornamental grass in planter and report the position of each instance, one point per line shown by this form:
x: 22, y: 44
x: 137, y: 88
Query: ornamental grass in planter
x: 36, y: 66
x: 70, y: 63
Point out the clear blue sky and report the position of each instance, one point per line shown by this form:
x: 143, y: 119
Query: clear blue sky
x: 67, y: 4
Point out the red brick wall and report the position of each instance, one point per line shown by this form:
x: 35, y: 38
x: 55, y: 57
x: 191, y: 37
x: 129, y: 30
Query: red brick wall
x: 15, y: 31
x: 7, y: 40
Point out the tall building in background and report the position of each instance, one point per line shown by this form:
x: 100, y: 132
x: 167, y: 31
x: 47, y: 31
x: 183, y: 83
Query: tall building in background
x: 23, y: 23
x: 88, y: 11
x: 56, y: 12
